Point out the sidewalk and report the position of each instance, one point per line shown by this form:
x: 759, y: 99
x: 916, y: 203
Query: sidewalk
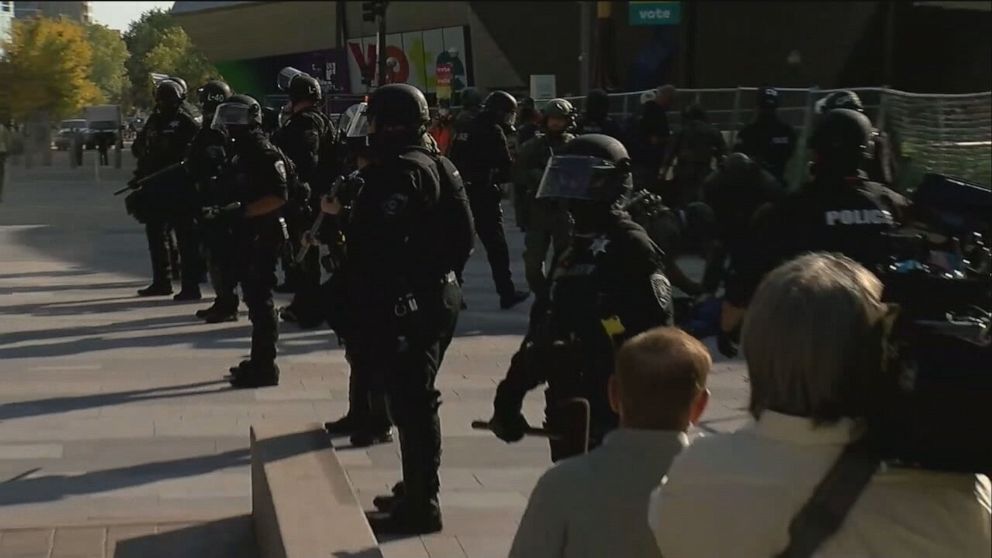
x: 113, y: 410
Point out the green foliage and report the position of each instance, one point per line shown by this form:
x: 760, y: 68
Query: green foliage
x: 109, y: 57
x: 46, y: 69
x: 158, y: 44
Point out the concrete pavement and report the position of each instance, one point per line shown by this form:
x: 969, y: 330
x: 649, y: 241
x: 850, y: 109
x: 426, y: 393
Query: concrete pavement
x: 113, y: 414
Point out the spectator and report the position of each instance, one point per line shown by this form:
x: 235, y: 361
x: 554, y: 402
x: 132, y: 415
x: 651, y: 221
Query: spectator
x: 651, y: 134
x: 812, y: 349
x: 594, y: 505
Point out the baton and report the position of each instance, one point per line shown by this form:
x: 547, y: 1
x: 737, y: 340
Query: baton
x: 313, y: 232
x: 529, y: 431
x: 135, y: 184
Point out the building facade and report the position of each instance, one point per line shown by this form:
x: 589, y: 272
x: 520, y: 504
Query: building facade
x: 6, y: 21
x: 498, y: 44
x: 77, y: 11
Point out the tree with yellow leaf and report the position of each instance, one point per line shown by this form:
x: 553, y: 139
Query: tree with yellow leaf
x: 46, y: 68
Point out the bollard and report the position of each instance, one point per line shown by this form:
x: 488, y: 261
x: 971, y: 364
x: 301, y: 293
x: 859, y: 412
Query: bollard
x: 73, y: 162
x: 96, y: 169
x: 117, y: 157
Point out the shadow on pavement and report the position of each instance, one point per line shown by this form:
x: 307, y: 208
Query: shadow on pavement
x: 55, y: 405
x: 75, y: 287
x: 233, y: 537
x: 50, y: 488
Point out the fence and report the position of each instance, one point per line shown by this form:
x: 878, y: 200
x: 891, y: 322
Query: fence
x: 949, y: 134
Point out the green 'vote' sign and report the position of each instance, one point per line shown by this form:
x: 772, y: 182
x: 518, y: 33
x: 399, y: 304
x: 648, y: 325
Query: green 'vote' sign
x: 655, y: 13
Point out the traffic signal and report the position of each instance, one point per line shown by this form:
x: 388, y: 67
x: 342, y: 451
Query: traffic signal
x: 371, y: 10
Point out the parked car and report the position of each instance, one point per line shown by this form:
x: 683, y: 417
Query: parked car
x: 67, y: 129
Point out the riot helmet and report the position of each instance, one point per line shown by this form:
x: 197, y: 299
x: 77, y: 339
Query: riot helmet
x: 840, y: 99
x: 559, y: 108
x: 168, y: 94
x: 769, y: 98
x: 502, y: 105
x: 694, y: 112
x: 238, y: 116
x: 471, y: 98
x: 397, y: 114
x: 285, y: 77
x: 591, y: 168
x: 841, y: 141
x: 213, y: 93
x: 305, y: 87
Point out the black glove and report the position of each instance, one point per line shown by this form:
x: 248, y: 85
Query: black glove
x: 508, y: 427
x: 508, y: 423
x: 727, y: 344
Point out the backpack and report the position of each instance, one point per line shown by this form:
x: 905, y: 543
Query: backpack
x: 451, y: 228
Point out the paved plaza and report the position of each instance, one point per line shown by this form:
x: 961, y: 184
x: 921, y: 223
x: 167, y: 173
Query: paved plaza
x: 119, y: 437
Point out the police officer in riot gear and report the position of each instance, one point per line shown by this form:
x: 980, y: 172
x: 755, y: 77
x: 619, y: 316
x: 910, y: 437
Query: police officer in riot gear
x: 596, y: 119
x: 160, y: 143
x: 608, y: 285
x: 207, y: 159
x: 410, y: 227
x: 482, y: 155
x: 367, y: 420
x: 546, y: 223
x: 878, y: 165
x: 768, y: 140
x: 735, y: 191
x: 838, y: 211
x: 261, y: 177
x: 528, y: 120
x: 308, y: 137
x: 692, y: 153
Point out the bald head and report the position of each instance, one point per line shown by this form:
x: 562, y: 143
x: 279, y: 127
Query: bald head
x: 660, y: 380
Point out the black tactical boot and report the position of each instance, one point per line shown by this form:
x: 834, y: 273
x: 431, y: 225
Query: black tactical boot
x: 509, y: 300
x: 219, y: 315
x: 345, y: 425
x: 386, y: 502
x: 156, y: 289
x: 366, y: 437
x: 410, y: 518
x: 254, y: 375
x: 188, y: 293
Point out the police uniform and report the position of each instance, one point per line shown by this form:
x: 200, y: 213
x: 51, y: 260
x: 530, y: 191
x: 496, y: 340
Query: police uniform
x: 409, y: 228
x: 847, y: 215
x: 608, y: 286
x: 695, y: 146
x: 258, y: 170
x: 481, y: 152
x: 770, y: 141
x: 207, y: 161
x: 301, y: 140
x: 546, y: 222
x: 734, y: 192
x: 162, y: 142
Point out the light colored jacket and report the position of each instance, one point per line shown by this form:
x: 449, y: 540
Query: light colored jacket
x: 734, y: 495
x: 593, y: 506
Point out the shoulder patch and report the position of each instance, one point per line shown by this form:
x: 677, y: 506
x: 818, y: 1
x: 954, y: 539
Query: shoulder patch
x: 394, y: 204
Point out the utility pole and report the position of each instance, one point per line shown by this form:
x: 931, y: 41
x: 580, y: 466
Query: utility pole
x: 376, y: 11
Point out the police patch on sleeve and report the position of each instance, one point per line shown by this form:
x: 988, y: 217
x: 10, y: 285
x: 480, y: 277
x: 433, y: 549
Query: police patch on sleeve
x: 280, y: 167
x: 394, y: 204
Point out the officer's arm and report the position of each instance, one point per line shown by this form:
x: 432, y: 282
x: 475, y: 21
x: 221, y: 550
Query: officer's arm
x: 501, y: 155
x: 300, y: 140
x: 272, y: 173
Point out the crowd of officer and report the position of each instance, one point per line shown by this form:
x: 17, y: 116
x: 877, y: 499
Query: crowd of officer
x: 389, y: 215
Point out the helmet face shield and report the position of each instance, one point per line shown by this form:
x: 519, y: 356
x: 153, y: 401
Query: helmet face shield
x: 358, y: 125
x: 286, y: 76
x: 231, y: 118
x: 582, y: 177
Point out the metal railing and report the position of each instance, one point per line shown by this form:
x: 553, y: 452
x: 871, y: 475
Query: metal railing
x: 948, y: 133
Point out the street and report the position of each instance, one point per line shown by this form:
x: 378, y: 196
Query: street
x: 119, y: 436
